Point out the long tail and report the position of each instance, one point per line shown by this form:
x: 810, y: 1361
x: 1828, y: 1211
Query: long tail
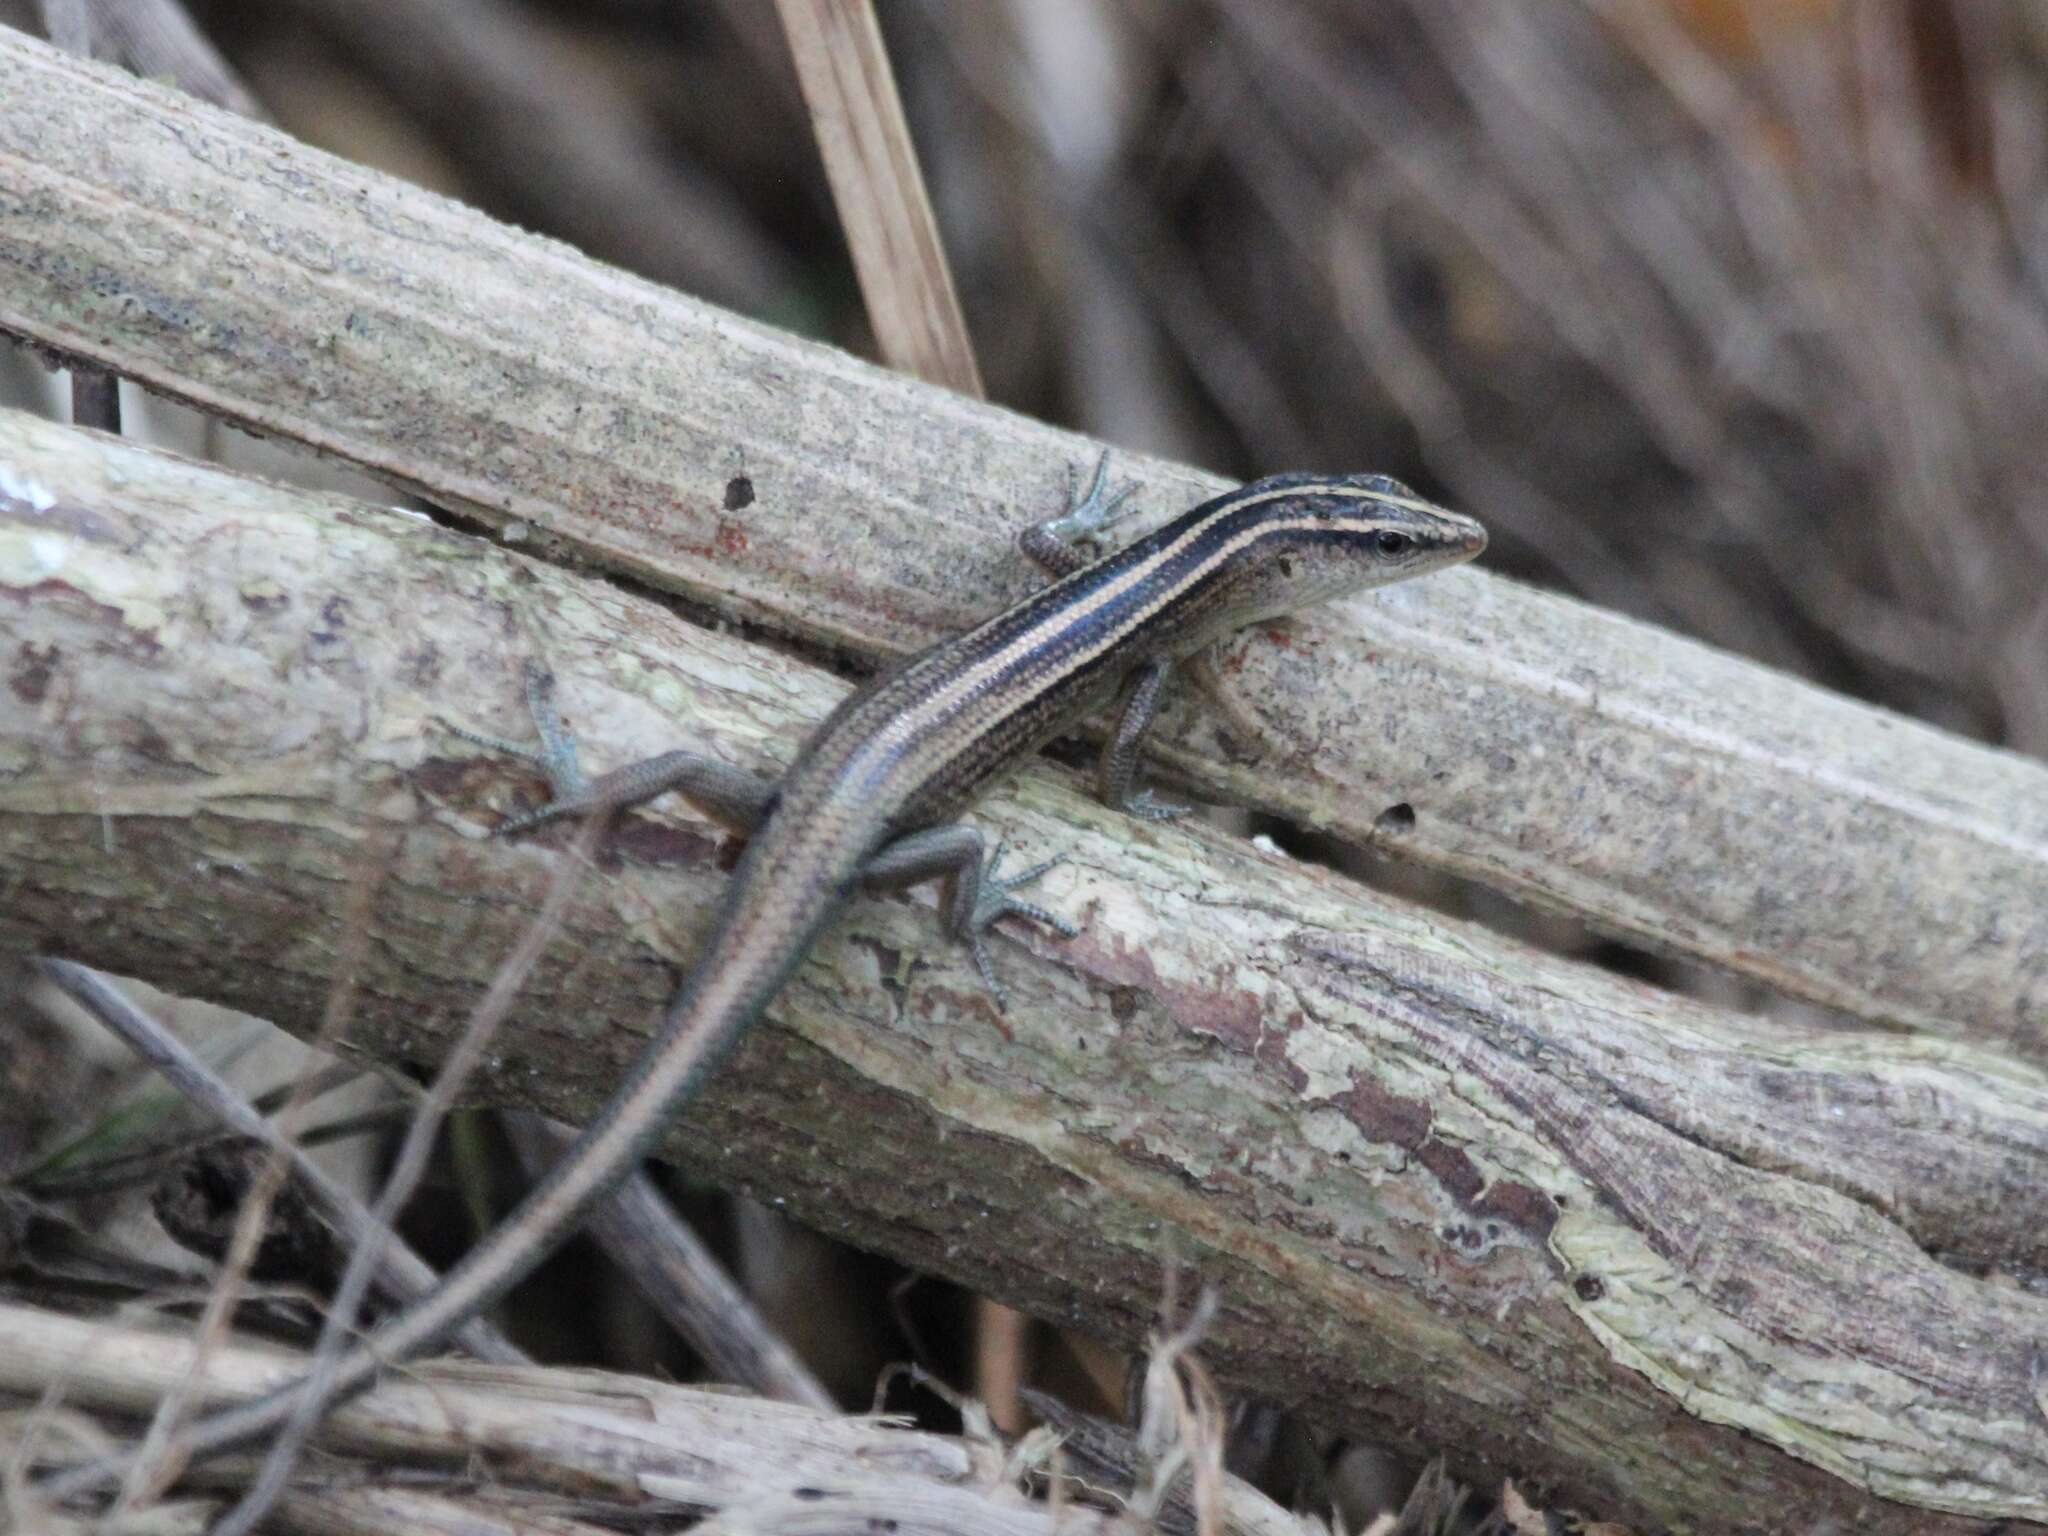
x: 768, y: 925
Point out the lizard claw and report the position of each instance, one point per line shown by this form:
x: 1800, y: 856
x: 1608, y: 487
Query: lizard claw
x: 1089, y: 513
x: 555, y: 755
x: 1148, y: 807
x: 993, y: 900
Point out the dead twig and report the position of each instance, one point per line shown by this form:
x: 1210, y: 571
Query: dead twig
x: 643, y: 1235
x: 879, y: 190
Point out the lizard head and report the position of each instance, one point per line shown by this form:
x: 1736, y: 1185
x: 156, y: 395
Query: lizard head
x: 1296, y: 540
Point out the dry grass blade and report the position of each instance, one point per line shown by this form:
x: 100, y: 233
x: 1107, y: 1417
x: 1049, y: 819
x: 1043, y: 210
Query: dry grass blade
x: 316, y: 1392
x: 157, y: 39
x: 1168, y: 1471
x: 162, y: 1455
x: 68, y: 24
x: 879, y: 190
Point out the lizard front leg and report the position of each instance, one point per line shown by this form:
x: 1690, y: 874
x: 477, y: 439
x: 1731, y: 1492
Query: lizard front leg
x: 1059, y: 546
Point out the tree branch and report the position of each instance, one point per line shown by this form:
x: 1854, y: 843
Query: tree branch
x: 634, y: 1447
x: 1433, y: 1175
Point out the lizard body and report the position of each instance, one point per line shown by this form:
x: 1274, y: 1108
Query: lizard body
x: 868, y: 800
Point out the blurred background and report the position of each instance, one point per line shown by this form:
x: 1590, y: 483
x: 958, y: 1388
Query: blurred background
x: 1729, y: 314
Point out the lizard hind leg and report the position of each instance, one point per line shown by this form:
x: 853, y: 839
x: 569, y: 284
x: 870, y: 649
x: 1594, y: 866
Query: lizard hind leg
x: 731, y: 796
x: 1119, y: 764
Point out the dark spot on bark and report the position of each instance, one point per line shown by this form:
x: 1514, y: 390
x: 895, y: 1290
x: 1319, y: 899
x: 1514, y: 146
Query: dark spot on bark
x: 1522, y: 1206
x: 1589, y: 1287
x: 1734, y: 1295
x: 150, y: 743
x: 135, y: 642
x: 333, y: 620
x: 1123, y: 1004
x: 422, y: 666
x: 266, y: 602
x: 1384, y: 1116
x: 1453, y: 1169
x: 729, y: 850
x: 658, y: 844
x: 889, y: 968
x: 1235, y: 749
x: 447, y: 778
x: 1399, y: 817
x: 30, y: 676
x: 739, y: 492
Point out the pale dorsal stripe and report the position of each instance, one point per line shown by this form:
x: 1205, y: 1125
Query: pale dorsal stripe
x: 938, y: 705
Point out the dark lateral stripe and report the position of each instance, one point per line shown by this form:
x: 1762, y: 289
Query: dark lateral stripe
x: 1067, y: 631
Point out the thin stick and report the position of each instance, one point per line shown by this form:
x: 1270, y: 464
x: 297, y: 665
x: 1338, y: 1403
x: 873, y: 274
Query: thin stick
x: 163, y: 1455
x: 402, y: 1272
x: 68, y: 24
x: 644, y: 1236
x: 159, y: 41
x: 1000, y: 1336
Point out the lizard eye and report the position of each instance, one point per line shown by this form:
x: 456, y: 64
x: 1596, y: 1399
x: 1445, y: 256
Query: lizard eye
x: 1390, y: 543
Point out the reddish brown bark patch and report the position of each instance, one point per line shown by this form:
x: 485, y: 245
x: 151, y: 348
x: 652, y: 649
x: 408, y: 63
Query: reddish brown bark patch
x: 34, y: 665
x: 1391, y: 1120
